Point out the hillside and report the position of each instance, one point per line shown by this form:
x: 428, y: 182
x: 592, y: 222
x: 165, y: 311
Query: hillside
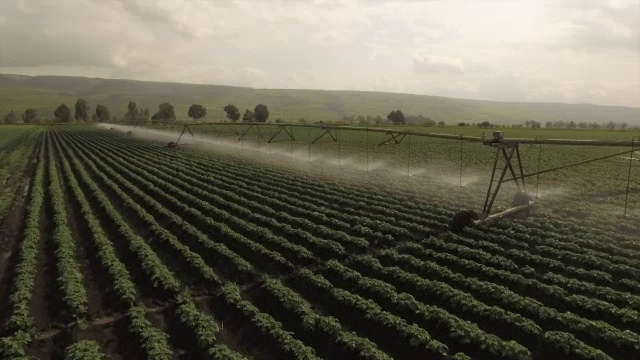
x: 19, y: 92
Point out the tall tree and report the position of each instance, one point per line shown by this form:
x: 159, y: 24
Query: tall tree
x: 165, y: 112
x: 396, y: 117
x: 62, y: 113
x: 233, y: 113
x: 145, y: 115
x: 248, y: 116
x: 132, y: 111
x: 82, y: 110
x: 391, y: 117
x: 11, y: 118
x: 30, y: 116
x: 102, y: 113
x: 197, y: 112
x: 261, y: 113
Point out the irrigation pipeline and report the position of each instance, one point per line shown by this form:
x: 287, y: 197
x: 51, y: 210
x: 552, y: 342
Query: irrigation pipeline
x: 396, y: 135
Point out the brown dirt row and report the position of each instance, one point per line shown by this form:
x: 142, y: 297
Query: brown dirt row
x: 102, y: 306
x: 11, y: 230
x: 152, y: 297
x: 46, y: 304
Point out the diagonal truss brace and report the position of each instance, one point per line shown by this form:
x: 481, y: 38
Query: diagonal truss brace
x: 281, y: 128
x: 327, y: 130
x: 185, y: 129
x: 506, y: 154
x: 395, y: 137
x: 249, y: 127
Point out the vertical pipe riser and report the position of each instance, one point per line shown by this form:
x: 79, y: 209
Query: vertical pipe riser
x: 504, y: 172
x: 626, y: 198
x: 493, y: 175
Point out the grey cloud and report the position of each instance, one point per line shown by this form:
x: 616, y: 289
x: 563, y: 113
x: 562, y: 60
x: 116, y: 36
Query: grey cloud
x: 184, y: 17
x: 595, y: 36
x: 43, y: 50
x: 334, y: 44
x: 599, y: 26
x: 145, y: 13
x: 437, y: 64
x: 37, y: 37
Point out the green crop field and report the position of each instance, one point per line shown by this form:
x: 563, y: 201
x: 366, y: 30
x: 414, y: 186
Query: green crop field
x: 16, y: 145
x: 240, y: 249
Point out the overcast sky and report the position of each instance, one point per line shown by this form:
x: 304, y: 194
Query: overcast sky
x: 534, y: 50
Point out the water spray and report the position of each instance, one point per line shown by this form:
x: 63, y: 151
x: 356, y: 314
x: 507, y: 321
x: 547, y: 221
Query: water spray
x: 507, y: 165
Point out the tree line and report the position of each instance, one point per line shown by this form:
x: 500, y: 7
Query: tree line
x: 166, y: 112
x: 576, y: 125
x: 62, y: 114
x: 82, y: 112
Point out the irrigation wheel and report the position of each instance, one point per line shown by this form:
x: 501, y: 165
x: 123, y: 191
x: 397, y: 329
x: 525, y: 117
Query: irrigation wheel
x: 462, y: 219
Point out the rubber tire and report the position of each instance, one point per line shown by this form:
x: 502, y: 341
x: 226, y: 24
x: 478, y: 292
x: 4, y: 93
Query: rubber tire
x: 462, y: 219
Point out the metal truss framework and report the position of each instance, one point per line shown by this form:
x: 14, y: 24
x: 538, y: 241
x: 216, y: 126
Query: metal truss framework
x: 507, y: 165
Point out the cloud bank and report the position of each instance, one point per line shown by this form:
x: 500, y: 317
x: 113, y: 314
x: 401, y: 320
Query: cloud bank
x: 520, y: 50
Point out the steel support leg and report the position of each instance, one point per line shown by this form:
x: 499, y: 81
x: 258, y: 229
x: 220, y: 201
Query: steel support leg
x: 492, y: 192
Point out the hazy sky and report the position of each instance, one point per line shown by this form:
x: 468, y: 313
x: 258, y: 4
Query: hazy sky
x: 533, y: 50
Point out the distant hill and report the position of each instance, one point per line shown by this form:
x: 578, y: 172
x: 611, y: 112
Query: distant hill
x: 45, y: 93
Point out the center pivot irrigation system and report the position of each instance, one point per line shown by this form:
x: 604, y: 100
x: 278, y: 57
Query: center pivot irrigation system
x: 507, y: 165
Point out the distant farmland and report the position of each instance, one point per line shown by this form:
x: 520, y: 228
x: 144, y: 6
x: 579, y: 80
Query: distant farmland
x: 45, y: 93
